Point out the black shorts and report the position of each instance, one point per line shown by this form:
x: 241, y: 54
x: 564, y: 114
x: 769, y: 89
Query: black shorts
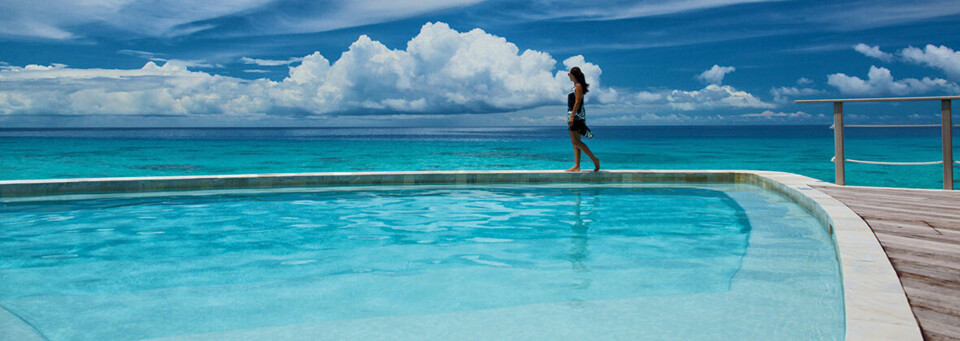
x: 579, y: 126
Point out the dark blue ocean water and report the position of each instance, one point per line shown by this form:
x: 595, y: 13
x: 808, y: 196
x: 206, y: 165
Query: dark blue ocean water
x: 806, y: 150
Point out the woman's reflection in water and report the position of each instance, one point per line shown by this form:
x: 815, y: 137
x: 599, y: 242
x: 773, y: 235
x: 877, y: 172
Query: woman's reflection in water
x: 578, y: 245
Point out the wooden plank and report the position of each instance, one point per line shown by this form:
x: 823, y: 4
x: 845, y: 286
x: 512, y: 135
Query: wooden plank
x: 920, y: 193
x: 939, y: 260
x: 925, y: 288
x: 940, y: 224
x: 916, y: 231
x: 870, y: 201
x: 918, y: 244
x: 935, y: 326
x: 904, y: 215
x: 902, y: 192
x: 896, y: 225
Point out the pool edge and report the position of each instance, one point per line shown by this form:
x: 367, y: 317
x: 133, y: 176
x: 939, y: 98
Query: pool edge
x: 875, y: 305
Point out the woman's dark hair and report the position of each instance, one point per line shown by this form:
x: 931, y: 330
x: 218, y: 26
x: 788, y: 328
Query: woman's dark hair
x: 578, y: 75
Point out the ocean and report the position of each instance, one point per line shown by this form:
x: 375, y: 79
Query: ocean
x: 806, y: 150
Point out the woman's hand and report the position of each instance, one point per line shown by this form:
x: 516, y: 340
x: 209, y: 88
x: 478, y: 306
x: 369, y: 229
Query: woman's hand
x: 570, y: 121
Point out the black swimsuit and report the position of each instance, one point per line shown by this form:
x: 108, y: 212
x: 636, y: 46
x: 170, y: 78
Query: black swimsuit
x: 580, y: 118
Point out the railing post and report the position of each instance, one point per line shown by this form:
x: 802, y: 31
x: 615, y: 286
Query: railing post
x: 838, y: 157
x: 946, y: 128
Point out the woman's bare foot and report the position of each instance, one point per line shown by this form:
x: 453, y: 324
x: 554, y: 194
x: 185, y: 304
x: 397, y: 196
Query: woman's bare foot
x: 574, y: 169
x: 596, y: 163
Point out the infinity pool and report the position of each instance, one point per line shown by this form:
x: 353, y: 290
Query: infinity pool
x: 557, y: 261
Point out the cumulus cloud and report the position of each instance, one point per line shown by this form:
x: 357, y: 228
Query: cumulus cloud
x: 880, y: 81
x: 940, y: 57
x: 873, y: 52
x: 715, y: 74
x: 710, y: 97
x: 714, y: 96
x: 170, y: 89
x: 270, y: 62
x: 441, y: 71
x: 804, y: 81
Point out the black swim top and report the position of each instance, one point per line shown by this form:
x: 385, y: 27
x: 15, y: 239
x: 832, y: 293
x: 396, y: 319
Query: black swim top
x: 571, y: 100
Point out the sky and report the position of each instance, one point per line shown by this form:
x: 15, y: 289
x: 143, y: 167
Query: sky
x: 332, y: 63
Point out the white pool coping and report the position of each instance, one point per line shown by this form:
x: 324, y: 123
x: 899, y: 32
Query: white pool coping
x: 875, y: 304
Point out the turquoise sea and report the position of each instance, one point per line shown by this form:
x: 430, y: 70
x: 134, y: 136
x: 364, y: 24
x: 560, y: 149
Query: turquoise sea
x: 806, y: 150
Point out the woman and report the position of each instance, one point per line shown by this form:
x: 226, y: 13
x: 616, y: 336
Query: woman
x: 577, y: 122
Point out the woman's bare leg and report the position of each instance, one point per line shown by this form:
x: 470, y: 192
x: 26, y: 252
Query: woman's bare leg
x: 583, y: 147
x: 576, y: 153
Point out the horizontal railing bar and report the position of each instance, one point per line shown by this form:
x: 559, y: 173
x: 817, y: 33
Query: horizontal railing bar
x: 889, y: 125
x: 896, y: 163
x: 892, y: 163
x: 887, y: 99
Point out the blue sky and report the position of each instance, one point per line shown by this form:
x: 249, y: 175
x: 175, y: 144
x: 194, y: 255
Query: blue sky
x: 66, y: 63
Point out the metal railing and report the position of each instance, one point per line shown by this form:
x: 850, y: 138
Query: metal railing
x: 946, y: 128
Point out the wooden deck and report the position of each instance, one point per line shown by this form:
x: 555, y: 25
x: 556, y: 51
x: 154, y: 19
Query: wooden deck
x: 920, y: 232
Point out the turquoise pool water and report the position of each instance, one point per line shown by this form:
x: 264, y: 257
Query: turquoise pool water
x: 574, y: 261
x: 806, y: 150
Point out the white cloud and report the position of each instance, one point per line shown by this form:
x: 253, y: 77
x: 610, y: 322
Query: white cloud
x: 873, y: 52
x: 326, y: 16
x: 881, y: 82
x: 859, y: 15
x: 713, y: 96
x: 784, y: 94
x: 270, y: 62
x: 157, y: 57
x: 66, y: 19
x: 940, y: 57
x: 441, y: 71
x: 771, y: 114
x: 615, y: 10
x: 59, y: 19
x: 143, y: 54
x: 715, y: 74
x: 774, y: 117
x: 804, y: 81
x: 170, y: 89
x: 710, y: 97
